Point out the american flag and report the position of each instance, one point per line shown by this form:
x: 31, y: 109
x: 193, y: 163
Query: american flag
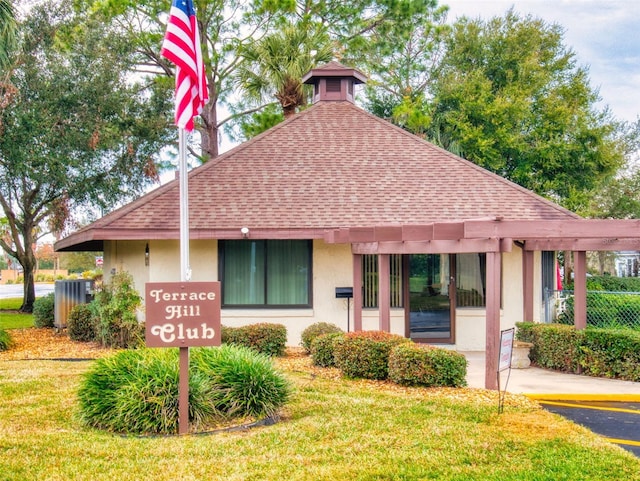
x: 182, y: 47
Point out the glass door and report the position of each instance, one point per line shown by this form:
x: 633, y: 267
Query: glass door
x: 430, y: 317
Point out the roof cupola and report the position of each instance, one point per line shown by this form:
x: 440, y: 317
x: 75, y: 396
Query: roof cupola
x: 333, y: 81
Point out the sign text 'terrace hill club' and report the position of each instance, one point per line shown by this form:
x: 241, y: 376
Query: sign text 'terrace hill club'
x: 182, y: 314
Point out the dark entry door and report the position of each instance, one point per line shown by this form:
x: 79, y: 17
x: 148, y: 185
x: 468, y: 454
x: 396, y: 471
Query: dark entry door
x: 430, y: 317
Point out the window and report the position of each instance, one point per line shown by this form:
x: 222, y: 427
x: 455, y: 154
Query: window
x: 471, y: 274
x: 370, y: 280
x: 265, y: 273
x: 549, y: 280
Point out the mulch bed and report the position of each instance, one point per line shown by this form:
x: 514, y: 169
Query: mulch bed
x: 47, y: 344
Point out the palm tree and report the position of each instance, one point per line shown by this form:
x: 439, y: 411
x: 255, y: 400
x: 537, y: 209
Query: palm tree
x: 274, y: 65
x: 8, y: 30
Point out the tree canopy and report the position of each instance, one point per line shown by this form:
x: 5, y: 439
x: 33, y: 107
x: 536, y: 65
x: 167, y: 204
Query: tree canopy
x: 78, y: 132
x: 507, y: 94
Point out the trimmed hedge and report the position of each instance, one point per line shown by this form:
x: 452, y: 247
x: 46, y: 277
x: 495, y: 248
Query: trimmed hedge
x: 323, y: 349
x: 315, y: 330
x: 613, y: 353
x: 415, y: 365
x: 610, y: 283
x: 365, y: 354
x: 82, y: 324
x: 266, y: 338
x: 44, y: 310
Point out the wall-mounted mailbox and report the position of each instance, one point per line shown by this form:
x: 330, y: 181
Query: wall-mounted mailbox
x: 344, y: 292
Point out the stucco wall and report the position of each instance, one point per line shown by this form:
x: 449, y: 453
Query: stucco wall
x: 332, y: 267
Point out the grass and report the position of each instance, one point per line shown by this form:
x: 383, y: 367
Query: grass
x: 334, y: 429
x: 10, y: 318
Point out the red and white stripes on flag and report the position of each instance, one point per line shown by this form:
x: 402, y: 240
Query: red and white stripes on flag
x: 182, y: 47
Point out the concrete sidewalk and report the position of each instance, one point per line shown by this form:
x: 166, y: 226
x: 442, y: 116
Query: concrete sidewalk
x: 546, y: 384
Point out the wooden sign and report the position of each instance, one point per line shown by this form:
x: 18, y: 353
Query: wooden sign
x: 182, y: 314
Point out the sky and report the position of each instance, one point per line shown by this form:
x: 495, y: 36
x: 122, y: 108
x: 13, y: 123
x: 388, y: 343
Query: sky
x: 604, y: 34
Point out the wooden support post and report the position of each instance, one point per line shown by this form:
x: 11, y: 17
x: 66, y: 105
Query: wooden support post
x: 384, y: 292
x: 527, y: 285
x: 580, y: 289
x: 183, y: 392
x: 493, y: 320
x: 357, y: 292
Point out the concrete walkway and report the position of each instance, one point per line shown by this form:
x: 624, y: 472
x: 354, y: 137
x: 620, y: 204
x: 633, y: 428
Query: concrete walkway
x: 546, y: 384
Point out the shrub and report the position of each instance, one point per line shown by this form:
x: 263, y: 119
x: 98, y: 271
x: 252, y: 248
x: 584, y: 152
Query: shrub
x: 323, y: 349
x: 5, y: 340
x: 315, y: 330
x: 116, y: 309
x: 414, y: 365
x: 611, y: 353
x: 81, y: 324
x: 524, y: 331
x: 245, y: 382
x: 266, y: 338
x: 44, y: 310
x: 136, y: 391
x: 555, y: 346
x: 365, y: 354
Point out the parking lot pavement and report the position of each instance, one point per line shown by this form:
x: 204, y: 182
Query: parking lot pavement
x: 619, y: 422
x: 8, y: 291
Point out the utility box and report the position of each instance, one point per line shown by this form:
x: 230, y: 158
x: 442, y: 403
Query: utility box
x: 69, y: 294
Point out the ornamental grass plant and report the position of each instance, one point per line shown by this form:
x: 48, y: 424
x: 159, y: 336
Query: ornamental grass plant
x: 5, y: 340
x: 243, y: 382
x: 136, y: 391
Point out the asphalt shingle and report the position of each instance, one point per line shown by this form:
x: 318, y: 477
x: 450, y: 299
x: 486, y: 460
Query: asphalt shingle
x: 333, y: 165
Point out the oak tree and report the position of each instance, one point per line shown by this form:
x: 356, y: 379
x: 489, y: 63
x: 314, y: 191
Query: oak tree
x: 78, y: 131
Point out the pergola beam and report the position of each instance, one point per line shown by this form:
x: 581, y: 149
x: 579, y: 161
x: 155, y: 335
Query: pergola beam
x: 555, y: 229
x: 584, y: 244
x: 459, y: 246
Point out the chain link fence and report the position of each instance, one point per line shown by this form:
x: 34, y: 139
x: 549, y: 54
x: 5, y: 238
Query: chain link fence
x: 605, y: 309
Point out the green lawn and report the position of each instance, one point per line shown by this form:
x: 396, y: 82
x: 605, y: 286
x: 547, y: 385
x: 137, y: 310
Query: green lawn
x: 334, y: 429
x: 10, y: 318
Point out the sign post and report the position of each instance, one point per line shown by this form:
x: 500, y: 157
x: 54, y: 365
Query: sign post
x: 504, y: 362
x: 182, y: 314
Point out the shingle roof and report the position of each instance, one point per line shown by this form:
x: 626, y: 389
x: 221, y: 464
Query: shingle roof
x: 333, y: 165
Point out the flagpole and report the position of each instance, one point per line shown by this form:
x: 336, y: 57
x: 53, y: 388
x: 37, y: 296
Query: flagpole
x: 185, y: 268
x: 181, y: 46
x: 185, y: 276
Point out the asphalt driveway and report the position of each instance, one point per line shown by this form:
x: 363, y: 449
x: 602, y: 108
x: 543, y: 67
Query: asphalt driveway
x: 8, y: 291
x: 619, y: 422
